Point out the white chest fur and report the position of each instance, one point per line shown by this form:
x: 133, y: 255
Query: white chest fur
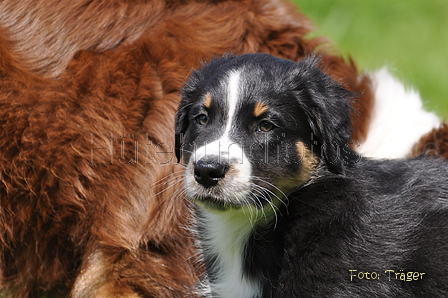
x: 225, y: 236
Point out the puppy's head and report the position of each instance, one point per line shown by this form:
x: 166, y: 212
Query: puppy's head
x: 252, y: 128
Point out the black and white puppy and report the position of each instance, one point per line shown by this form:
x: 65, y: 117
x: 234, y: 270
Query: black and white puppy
x: 286, y: 209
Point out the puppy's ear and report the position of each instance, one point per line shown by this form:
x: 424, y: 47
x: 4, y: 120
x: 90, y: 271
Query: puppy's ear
x: 188, y: 94
x: 181, y: 122
x: 327, y: 106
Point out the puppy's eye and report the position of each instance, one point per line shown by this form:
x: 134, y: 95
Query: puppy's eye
x: 201, y: 119
x: 265, y: 126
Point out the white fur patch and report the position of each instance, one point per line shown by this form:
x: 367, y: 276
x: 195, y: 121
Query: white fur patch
x: 232, y: 100
x: 227, y: 234
x: 398, y: 119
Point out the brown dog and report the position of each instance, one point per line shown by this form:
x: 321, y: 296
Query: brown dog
x: 90, y: 201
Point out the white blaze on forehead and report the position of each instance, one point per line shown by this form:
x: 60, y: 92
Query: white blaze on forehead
x: 223, y: 148
x: 232, y: 97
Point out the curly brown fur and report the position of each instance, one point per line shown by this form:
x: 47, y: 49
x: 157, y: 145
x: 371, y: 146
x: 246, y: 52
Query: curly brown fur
x: 66, y: 204
x: 434, y: 143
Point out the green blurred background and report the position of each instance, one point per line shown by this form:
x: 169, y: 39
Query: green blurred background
x: 410, y: 37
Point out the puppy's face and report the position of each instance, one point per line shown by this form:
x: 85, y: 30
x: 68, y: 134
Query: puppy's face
x: 245, y: 130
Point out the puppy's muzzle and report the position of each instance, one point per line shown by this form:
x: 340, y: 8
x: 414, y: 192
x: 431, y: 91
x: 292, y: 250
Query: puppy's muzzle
x: 209, y: 172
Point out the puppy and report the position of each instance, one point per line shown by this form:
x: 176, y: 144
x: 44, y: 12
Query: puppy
x: 285, y: 208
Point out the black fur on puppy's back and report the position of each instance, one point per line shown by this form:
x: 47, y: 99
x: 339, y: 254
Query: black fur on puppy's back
x: 380, y: 216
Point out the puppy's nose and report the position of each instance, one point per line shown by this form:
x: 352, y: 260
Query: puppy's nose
x: 208, y: 173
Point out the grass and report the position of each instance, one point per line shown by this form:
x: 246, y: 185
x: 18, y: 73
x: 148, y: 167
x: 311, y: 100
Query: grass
x: 410, y: 37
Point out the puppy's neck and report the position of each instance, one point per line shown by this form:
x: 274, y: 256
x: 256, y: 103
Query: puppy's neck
x: 224, y: 239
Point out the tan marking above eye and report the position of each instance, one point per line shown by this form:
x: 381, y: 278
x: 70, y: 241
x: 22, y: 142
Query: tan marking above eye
x: 260, y: 108
x: 207, y: 100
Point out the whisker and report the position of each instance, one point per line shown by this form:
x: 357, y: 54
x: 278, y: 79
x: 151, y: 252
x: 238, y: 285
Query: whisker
x: 263, y: 193
x: 275, y: 187
x: 172, y: 181
x: 259, y: 178
x: 255, y: 197
x: 176, y: 193
x: 165, y: 179
x: 267, y: 197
